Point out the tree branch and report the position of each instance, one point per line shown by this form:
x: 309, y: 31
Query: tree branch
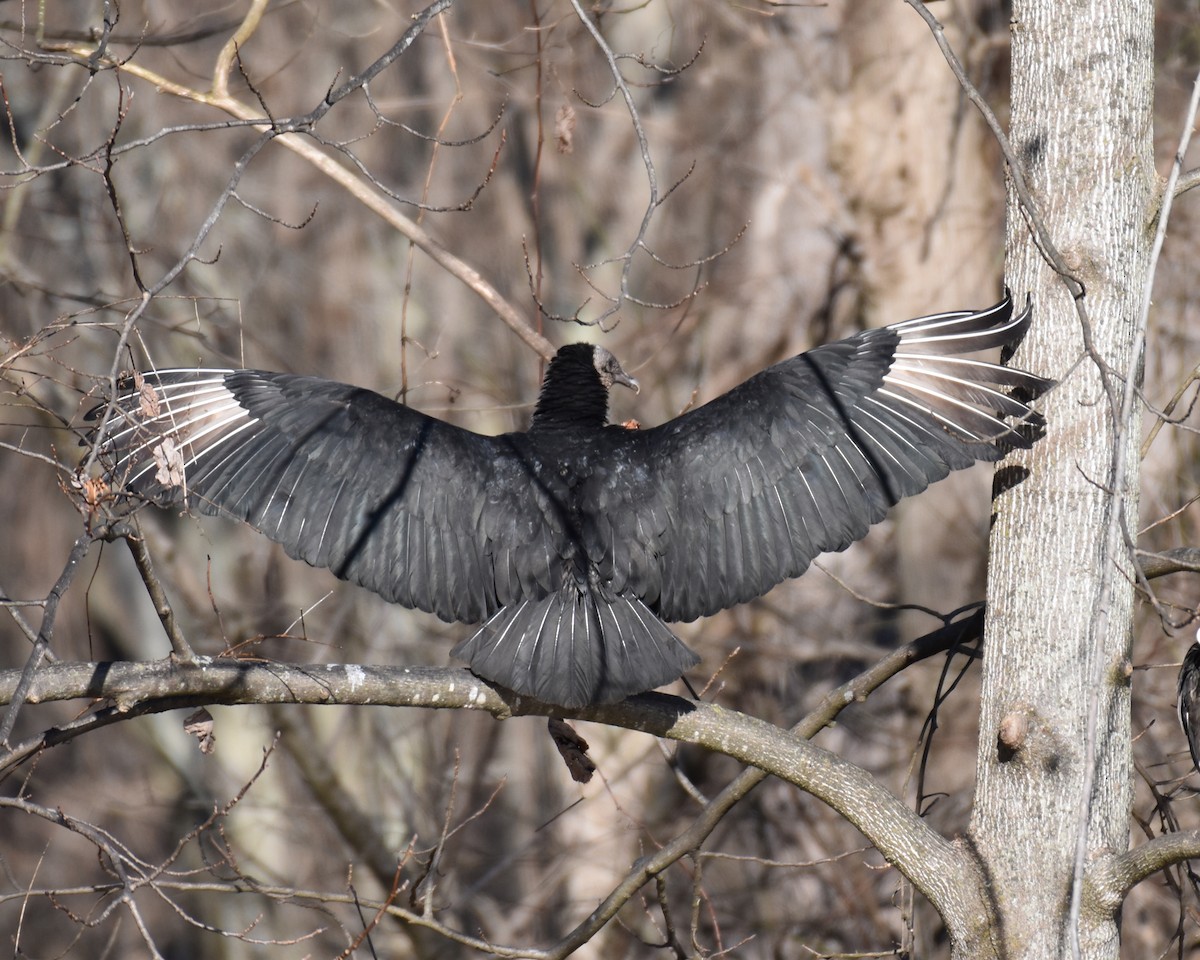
x: 1114, y: 877
x: 1177, y: 560
x: 25, y: 680
x: 935, y: 866
x: 1187, y: 181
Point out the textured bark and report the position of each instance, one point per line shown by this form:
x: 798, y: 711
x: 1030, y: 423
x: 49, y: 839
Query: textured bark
x: 1056, y: 635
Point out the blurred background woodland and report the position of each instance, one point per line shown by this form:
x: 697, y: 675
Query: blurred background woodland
x: 818, y: 170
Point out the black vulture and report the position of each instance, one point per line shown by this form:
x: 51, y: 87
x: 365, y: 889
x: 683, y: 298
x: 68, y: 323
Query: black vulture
x: 1189, y: 701
x: 573, y: 541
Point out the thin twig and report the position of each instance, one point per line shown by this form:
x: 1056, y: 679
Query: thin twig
x: 158, y: 596
x: 45, y: 632
x: 647, y: 161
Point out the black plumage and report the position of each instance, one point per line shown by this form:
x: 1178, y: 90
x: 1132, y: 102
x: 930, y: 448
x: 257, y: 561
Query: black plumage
x: 1189, y: 701
x: 573, y: 541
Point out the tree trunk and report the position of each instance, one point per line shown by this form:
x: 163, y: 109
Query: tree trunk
x: 1060, y: 601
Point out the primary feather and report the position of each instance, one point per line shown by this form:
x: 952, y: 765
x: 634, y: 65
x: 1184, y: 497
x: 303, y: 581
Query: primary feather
x: 573, y: 541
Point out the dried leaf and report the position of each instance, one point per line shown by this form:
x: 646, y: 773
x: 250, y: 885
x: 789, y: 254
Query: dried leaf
x: 94, y: 489
x: 147, y: 396
x: 564, y: 128
x: 169, y: 461
x: 200, y: 725
x: 573, y: 749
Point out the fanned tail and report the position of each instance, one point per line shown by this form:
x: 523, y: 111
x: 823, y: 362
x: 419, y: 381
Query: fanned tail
x: 573, y: 648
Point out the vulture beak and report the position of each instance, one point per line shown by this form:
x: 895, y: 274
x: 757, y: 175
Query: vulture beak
x: 626, y: 380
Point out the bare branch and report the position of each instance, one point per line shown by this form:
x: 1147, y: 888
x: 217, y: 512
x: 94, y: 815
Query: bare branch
x: 935, y: 866
x: 1187, y: 181
x: 1114, y: 877
x: 25, y: 679
x: 158, y: 596
x: 1178, y: 560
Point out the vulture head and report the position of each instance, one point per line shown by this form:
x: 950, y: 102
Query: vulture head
x: 609, y: 369
x: 575, y: 389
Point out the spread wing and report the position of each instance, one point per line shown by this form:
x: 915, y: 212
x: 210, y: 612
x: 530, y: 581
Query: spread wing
x: 423, y: 513
x: 706, y: 511
x: 719, y: 505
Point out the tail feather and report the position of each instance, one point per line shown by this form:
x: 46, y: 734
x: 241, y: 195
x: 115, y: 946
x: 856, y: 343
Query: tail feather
x: 574, y: 649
